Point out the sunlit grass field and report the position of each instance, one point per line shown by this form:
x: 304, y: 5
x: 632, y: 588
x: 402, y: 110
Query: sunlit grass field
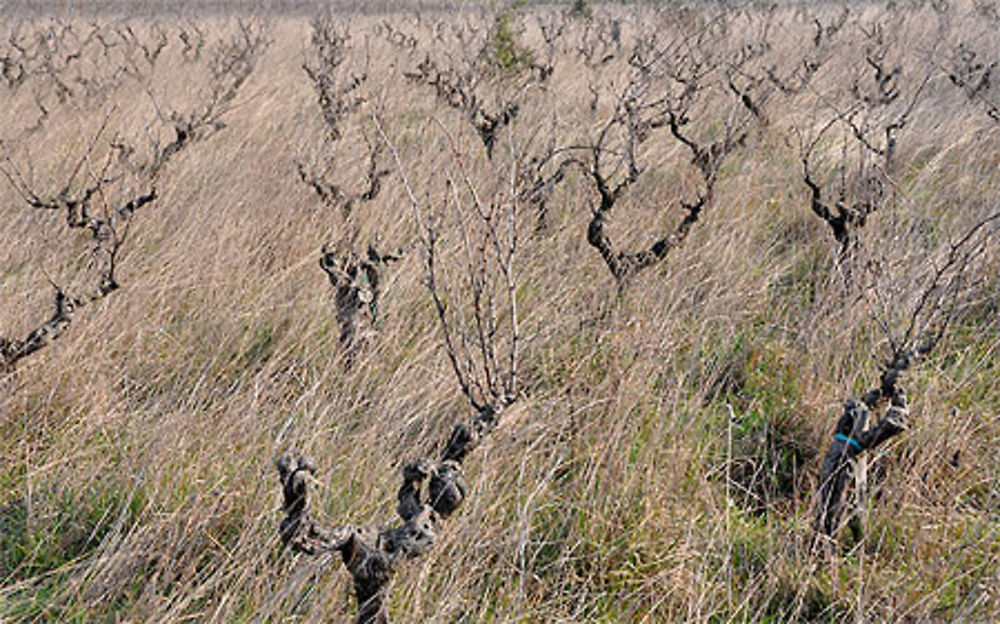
x: 660, y: 463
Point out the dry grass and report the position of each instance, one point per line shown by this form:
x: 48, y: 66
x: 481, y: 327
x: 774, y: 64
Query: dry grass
x: 136, y: 452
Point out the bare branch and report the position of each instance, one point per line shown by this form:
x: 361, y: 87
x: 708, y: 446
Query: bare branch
x: 86, y: 195
x: 640, y: 110
x: 498, y: 63
x: 431, y: 491
x: 973, y: 72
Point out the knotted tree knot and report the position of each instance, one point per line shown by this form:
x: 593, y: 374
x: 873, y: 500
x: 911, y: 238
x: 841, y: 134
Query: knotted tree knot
x: 356, y: 282
x: 297, y: 529
x: 430, y: 492
x: 466, y: 435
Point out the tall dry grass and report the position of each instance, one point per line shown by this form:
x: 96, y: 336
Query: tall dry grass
x: 137, y: 451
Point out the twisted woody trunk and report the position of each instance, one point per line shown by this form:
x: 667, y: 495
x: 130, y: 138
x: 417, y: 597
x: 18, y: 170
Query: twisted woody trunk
x: 431, y: 492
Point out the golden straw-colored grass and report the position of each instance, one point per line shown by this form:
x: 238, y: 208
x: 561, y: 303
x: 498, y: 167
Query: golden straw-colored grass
x: 137, y: 479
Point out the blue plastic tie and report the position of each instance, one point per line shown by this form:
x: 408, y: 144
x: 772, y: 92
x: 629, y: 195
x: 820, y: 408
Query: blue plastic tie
x: 848, y: 440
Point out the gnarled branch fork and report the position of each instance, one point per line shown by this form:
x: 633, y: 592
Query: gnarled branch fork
x: 356, y: 285
x: 973, y: 71
x: 430, y: 492
x: 86, y: 196
x: 884, y: 94
x: 340, y: 93
x: 640, y: 110
x: 458, y: 89
x: 852, y: 437
x: 843, y: 215
x: 14, y: 350
x: 465, y: 84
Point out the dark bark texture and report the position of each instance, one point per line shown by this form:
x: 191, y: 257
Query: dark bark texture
x: 431, y: 491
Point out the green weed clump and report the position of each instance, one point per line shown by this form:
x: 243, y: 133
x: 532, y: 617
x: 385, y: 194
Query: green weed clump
x: 505, y: 53
x: 581, y: 9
